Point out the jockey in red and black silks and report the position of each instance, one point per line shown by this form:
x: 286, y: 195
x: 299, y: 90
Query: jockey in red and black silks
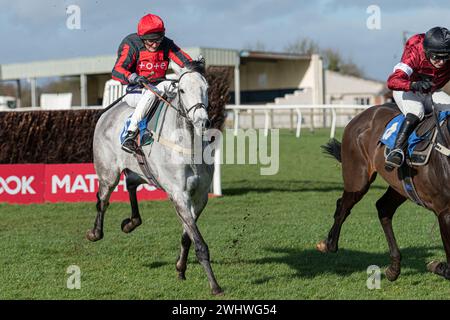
x: 144, y: 57
x: 424, y: 69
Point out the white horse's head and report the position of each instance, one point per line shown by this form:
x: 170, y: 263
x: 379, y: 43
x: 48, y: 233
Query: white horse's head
x: 193, y: 94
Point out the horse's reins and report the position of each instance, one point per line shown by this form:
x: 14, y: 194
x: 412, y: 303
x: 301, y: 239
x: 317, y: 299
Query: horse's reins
x: 424, y: 77
x: 129, y: 90
x: 436, y: 119
x: 178, y: 110
x: 146, y: 86
x: 183, y: 113
x: 180, y: 102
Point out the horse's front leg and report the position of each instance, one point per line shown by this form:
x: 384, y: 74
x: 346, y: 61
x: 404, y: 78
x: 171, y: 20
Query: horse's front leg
x: 184, y: 210
x: 181, y: 264
x: 442, y: 268
x: 386, y: 206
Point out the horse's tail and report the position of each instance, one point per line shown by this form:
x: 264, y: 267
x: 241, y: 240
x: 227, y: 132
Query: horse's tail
x: 333, y: 148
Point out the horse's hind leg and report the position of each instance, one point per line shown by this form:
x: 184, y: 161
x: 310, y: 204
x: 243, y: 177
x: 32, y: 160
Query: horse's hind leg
x: 181, y: 264
x: 386, y: 206
x: 129, y: 224
x: 183, y: 208
x: 343, y: 210
x: 357, y: 178
x: 104, y: 192
x: 442, y: 268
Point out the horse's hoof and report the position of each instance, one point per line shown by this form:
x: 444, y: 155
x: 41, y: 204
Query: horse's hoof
x: 322, y: 246
x: 129, y: 225
x: 181, y: 276
x: 391, y: 274
x: 94, y: 235
x: 217, y: 291
x: 437, y: 267
x: 125, y: 226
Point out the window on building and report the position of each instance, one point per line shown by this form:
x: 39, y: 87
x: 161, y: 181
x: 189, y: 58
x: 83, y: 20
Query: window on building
x: 362, y: 101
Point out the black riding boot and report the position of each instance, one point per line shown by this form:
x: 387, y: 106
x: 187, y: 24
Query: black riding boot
x: 129, y: 144
x: 396, y: 156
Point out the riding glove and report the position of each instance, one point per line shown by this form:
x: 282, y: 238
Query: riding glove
x: 135, y: 79
x: 423, y: 86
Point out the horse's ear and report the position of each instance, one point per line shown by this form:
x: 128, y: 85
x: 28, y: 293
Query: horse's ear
x: 201, y: 60
x: 198, y: 65
x: 177, y: 69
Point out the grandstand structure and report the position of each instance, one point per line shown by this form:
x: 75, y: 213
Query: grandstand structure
x: 258, y: 77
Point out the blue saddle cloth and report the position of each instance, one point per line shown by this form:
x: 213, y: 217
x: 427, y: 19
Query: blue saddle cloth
x: 391, y: 131
x: 148, y: 123
x: 142, y: 125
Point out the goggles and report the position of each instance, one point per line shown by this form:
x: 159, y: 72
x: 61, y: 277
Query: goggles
x: 153, y: 41
x: 440, y: 56
x: 156, y: 37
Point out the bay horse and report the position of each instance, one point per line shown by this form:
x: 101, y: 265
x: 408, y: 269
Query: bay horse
x: 362, y: 158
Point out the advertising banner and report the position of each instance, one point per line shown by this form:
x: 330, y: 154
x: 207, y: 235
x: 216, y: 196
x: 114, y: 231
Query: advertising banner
x: 38, y: 183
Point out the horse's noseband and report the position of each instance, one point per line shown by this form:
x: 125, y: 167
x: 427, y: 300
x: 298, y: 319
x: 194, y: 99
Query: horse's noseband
x: 196, y: 107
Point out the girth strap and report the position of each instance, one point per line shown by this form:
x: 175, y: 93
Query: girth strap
x: 143, y: 164
x: 408, y: 185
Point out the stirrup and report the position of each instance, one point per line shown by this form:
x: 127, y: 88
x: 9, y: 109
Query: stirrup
x: 389, y: 165
x: 129, y: 140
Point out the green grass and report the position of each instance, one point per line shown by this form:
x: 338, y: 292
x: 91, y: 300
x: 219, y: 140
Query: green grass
x: 261, y: 237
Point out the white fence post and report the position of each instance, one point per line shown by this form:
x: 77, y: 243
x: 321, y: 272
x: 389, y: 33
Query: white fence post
x: 299, y: 123
x: 217, y: 181
x: 266, y: 123
x: 333, y: 123
x: 236, y: 121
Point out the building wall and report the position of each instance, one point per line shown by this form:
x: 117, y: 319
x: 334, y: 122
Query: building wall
x: 264, y: 80
x: 271, y: 74
x: 344, y: 89
x: 362, y: 98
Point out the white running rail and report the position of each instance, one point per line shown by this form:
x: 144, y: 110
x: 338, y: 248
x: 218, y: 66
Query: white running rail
x: 236, y: 109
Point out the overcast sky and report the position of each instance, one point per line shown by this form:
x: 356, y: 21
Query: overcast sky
x: 33, y: 30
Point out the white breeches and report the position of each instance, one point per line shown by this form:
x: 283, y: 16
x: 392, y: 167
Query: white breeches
x: 143, y: 101
x: 413, y: 102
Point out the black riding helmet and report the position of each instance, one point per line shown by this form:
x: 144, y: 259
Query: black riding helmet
x: 437, y: 43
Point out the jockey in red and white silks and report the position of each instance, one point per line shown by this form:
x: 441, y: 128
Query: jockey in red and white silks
x: 424, y: 69
x: 144, y: 57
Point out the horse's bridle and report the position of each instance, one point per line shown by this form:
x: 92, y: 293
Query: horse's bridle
x: 182, y: 110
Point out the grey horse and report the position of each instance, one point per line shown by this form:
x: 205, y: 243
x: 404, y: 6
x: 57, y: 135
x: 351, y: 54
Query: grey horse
x: 186, y: 182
